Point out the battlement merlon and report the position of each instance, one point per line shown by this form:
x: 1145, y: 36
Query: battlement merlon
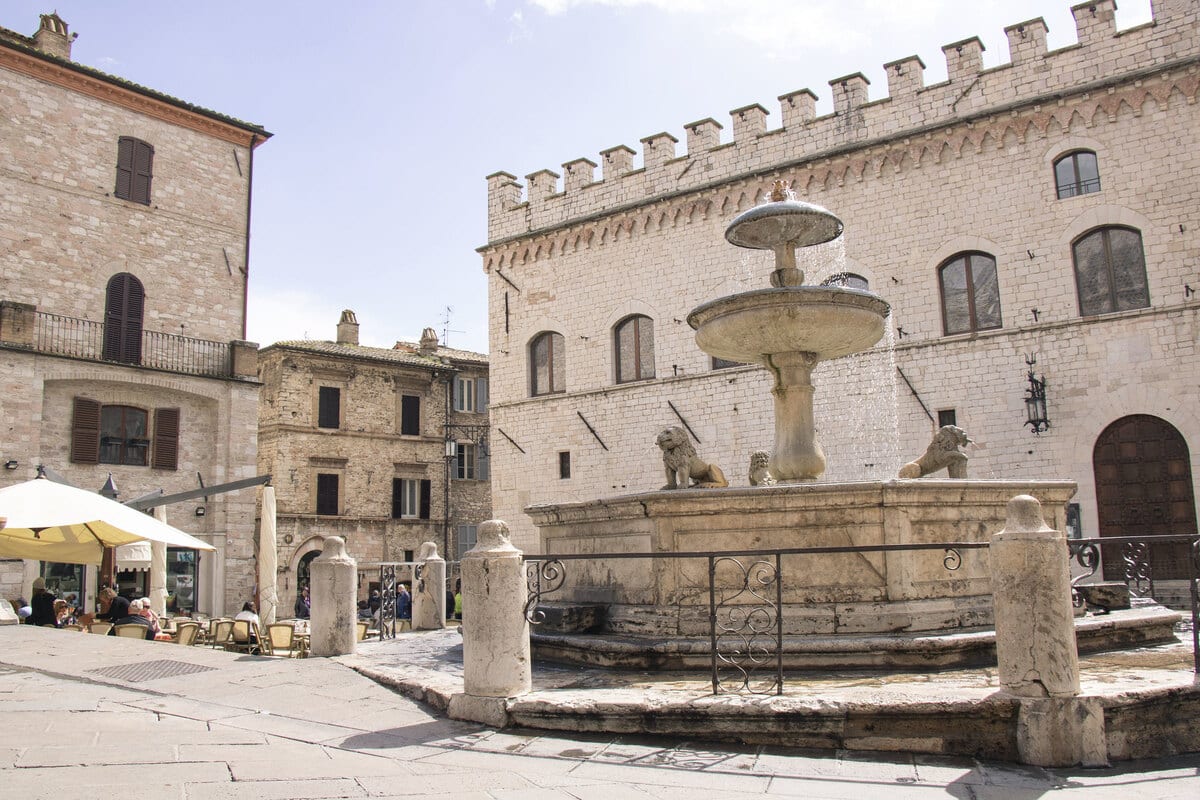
x: 849, y: 92
x: 1095, y: 21
x: 1026, y: 40
x: 702, y: 135
x: 1103, y: 56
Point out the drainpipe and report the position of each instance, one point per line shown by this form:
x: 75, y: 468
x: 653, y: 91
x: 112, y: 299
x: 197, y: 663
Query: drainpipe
x: 446, y: 471
x: 246, y: 257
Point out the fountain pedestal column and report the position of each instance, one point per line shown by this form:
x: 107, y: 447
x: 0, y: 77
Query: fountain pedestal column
x: 797, y: 455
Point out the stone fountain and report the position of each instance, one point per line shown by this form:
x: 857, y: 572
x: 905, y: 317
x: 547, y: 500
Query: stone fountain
x: 889, y: 608
x: 789, y: 328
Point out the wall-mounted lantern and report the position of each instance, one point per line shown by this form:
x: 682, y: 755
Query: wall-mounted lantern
x: 1035, y: 400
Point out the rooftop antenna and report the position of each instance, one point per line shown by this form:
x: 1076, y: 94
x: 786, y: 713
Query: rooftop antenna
x: 446, y: 329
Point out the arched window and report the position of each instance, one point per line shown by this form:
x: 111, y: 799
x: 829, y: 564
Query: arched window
x: 547, y: 364
x: 633, y: 342
x: 970, y: 293
x: 1076, y: 173
x: 123, y: 305
x: 1110, y: 271
x: 849, y: 280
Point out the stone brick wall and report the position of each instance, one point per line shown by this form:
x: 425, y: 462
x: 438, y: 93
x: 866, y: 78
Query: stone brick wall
x: 919, y: 176
x: 64, y: 235
x: 367, y: 451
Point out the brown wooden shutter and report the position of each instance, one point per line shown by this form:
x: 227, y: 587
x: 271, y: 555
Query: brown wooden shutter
x: 143, y: 163
x: 124, y: 187
x: 125, y: 303
x: 410, y: 415
x: 327, y: 494
x: 426, y: 494
x: 85, y: 431
x: 166, y: 439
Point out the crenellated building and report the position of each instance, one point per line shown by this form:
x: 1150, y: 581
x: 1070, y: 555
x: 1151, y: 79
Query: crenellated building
x: 385, y: 447
x: 1044, y: 210
x: 124, y: 239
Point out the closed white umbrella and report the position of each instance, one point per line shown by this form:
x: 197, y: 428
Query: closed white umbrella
x: 48, y: 521
x: 268, y: 560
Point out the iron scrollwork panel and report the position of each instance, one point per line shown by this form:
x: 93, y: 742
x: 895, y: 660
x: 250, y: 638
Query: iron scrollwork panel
x: 541, y: 578
x: 1135, y: 559
x: 387, y: 605
x: 745, y: 626
x: 1087, y: 555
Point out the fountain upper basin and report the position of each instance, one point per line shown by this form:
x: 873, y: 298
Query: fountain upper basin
x: 824, y: 320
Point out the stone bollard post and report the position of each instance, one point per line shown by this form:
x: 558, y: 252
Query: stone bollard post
x: 429, y: 593
x: 496, y: 662
x: 333, y: 588
x: 1036, y: 653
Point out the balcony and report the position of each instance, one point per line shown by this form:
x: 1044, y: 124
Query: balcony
x: 23, y: 326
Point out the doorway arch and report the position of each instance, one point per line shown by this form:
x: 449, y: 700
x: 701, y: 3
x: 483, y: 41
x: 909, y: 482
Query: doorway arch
x: 1143, y: 475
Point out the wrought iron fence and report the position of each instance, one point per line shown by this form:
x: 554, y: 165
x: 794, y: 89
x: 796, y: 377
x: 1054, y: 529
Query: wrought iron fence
x: 83, y: 338
x: 745, y: 606
x: 1137, y: 572
x: 745, y: 615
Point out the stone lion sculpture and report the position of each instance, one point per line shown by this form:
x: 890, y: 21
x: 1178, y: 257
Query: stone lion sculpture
x: 682, y: 466
x: 759, y: 473
x: 942, y: 453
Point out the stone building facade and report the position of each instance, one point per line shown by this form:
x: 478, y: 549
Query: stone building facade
x: 124, y: 233
x: 1043, y: 210
x: 387, y: 448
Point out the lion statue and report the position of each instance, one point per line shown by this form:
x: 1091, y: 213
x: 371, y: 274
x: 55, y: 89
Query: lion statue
x: 759, y: 474
x: 682, y: 466
x: 942, y: 453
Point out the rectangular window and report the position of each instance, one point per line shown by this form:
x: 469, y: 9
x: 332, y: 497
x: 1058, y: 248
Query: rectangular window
x: 410, y: 415
x: 946, y: 416
x: 564, y: 465
x: 135, y: 166
x: 115, y: 434
x: 329, y: 407
x: 464, y: 394
x: 408, y: 556
x: 327, y: 494
x: 466, y: 539
x: 464, y: 468
x: 406, y: 498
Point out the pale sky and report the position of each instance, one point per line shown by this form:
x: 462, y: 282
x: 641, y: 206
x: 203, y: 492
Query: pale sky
x: 388, y: 114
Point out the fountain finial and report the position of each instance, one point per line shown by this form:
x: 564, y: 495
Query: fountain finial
x: 781, y: 191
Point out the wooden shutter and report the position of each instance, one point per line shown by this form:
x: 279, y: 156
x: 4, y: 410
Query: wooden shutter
x: 329, y: 402
x: 426, y: 494
x: 481, y: 395
x: 124, y: 305
x: 397, y: 498
x: 143, y: 163
x: 482, y: 465
x: 85, y: 431
x: 410, y: 415
x: 124, y: 187
x: 327, y: 494
x: 166, y: 439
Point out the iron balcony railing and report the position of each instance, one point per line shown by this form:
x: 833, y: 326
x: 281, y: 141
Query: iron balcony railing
x: 83, y: 338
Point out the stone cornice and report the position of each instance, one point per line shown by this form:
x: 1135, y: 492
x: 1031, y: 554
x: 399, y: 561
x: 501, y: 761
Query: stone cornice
x: 159, y: 107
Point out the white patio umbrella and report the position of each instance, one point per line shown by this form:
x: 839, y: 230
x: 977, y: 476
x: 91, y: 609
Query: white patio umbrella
x: 48, y: 521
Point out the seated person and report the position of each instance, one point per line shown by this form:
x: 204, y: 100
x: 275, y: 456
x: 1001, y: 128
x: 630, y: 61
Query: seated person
x: 249, y: 615
x: 364, y: 610
x: 138, y: 615
x: 23, y: 609
x: 41, y: 605
x: 63, y: 613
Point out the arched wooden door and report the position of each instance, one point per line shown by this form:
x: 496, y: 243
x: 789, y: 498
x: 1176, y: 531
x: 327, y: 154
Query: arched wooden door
x: 1144, y: 488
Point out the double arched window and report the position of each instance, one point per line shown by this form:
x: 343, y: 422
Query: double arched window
x: 970, y: 293
x: 1076, y: 173
x: 547, y: 364
x: 1110, y: 271
x: 633, y: 346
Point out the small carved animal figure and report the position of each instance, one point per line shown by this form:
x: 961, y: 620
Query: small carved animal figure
x: 682, y: 466
x: 759, y: 475
x: 942, y: 453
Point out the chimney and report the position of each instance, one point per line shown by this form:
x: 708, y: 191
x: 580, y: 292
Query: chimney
x: 347, y: 330
x: 52, y: 37
x: 429, y: 342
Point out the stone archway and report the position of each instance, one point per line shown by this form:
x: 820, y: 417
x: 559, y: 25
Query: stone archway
x: 1143, y: 476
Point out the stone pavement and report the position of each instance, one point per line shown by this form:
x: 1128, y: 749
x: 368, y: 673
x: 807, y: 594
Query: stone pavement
x: 88, y: 716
